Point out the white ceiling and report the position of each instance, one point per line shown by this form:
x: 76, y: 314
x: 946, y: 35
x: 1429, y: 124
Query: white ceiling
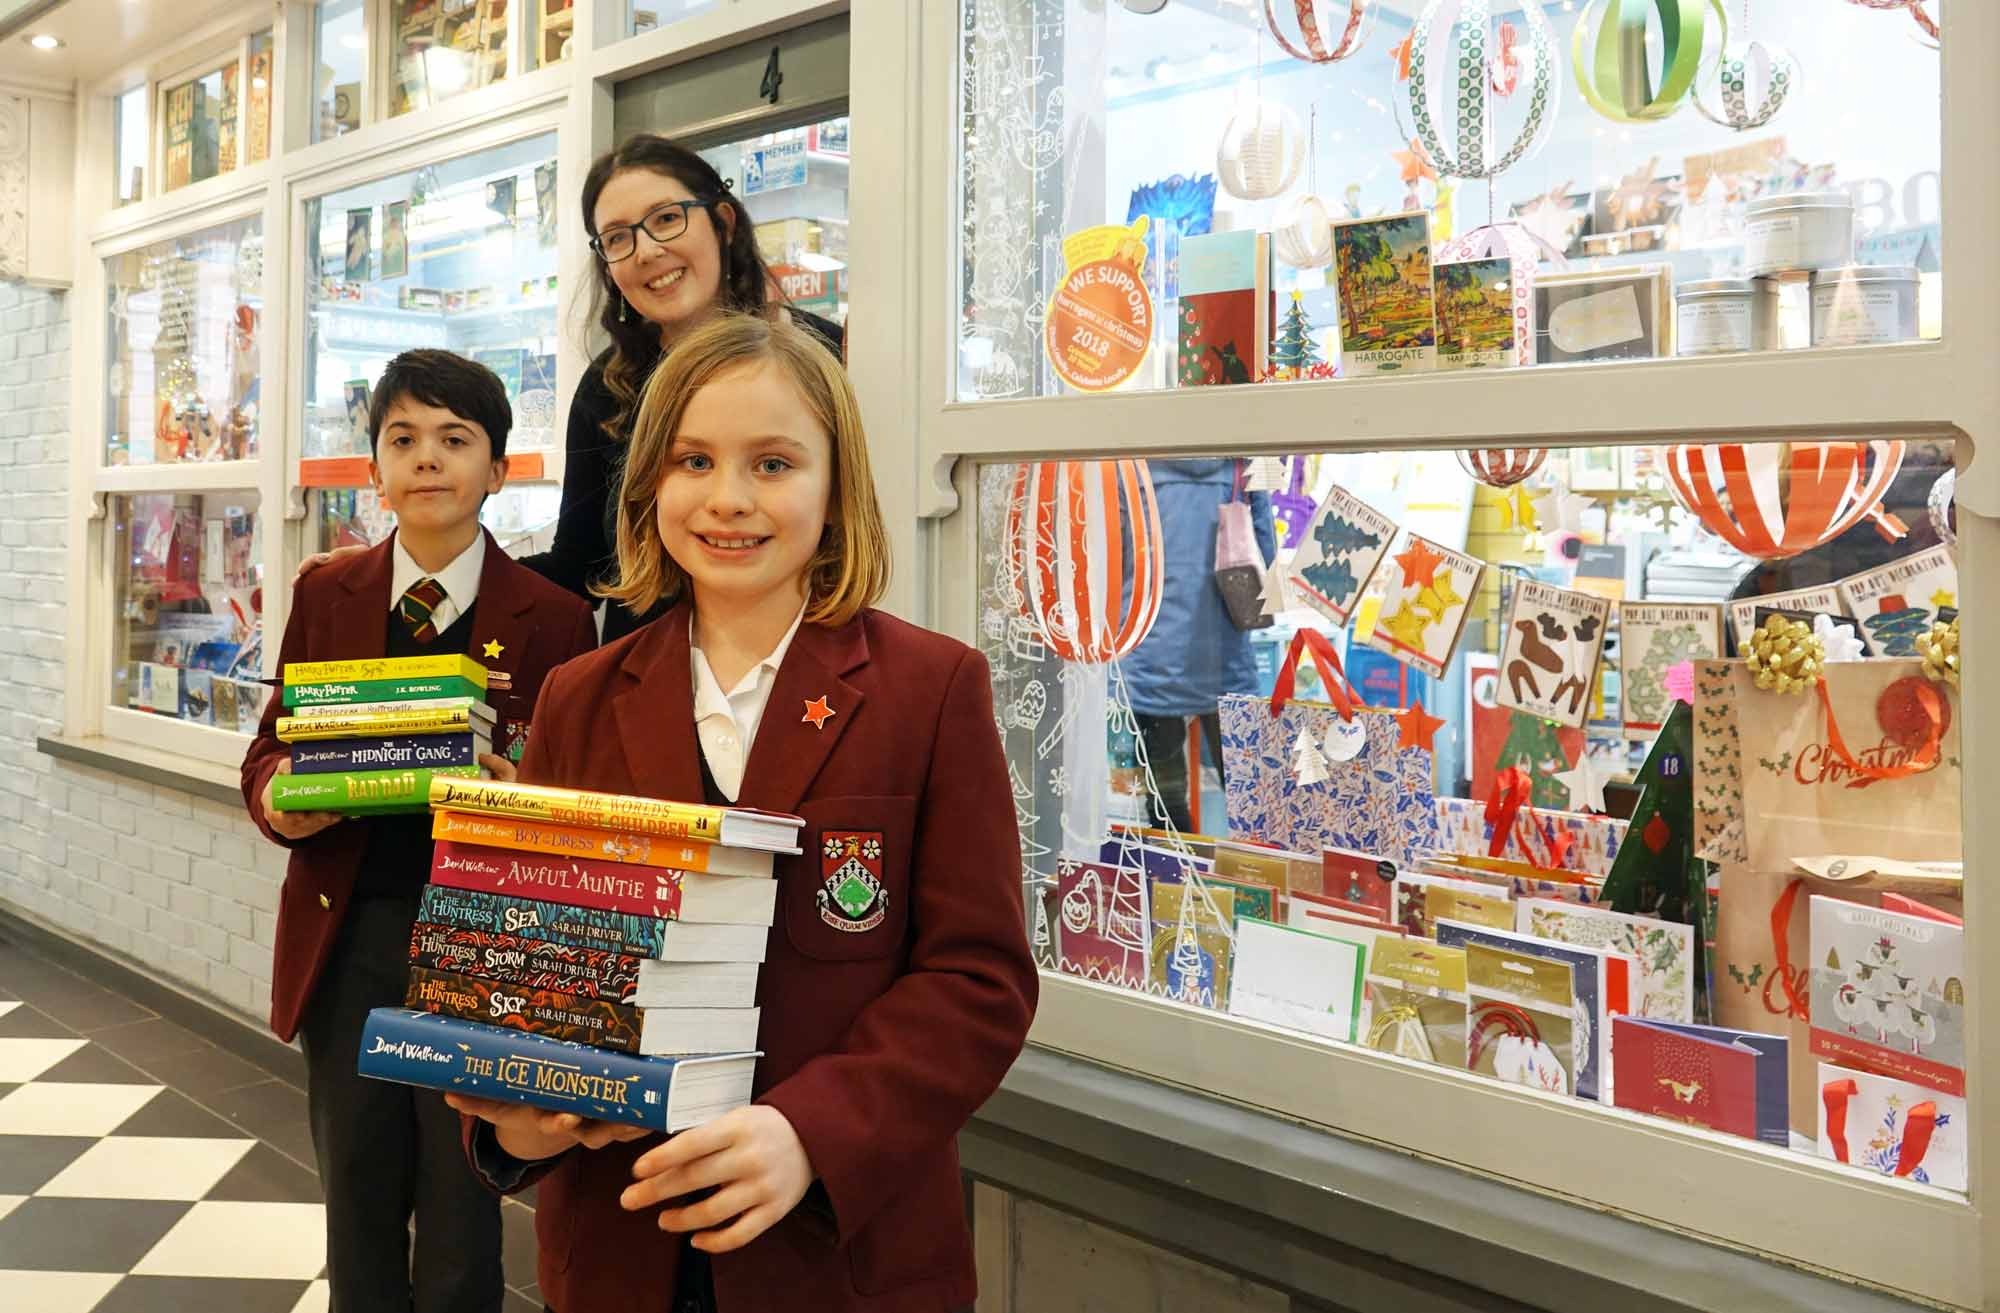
x: 99, y: 36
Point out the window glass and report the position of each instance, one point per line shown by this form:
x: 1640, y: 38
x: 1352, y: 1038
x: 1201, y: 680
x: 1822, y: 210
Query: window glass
x: 341, y: 56
x: 185, y: 317
x: 648, y: 15
x: 555, y: 26
x: 257, y: 118
x: 444, y: 47
x: 1538, y: 639
x: 128, y: 130
x: 521, y: 515
x: 794, y: 184
x: 1636, y: 225
x: 460, y: 255
x: 201, y: 117
x: 188, y: 635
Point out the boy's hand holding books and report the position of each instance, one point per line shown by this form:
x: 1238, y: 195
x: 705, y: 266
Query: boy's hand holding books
x: 295, y: 825
x: 530, y: 1133
x: 751, y: 1161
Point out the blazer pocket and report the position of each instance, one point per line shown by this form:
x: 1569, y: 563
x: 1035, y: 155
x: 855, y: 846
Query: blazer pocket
x: 847, y: 897
x: 921, y: 1236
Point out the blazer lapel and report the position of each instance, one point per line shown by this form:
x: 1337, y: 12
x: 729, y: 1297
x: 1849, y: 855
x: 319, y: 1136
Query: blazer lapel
x: 360, y: 615
x: 790, y: 749
x: 656, y: 712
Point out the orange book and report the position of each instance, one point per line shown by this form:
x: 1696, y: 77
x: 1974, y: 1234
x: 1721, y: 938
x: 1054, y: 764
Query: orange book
x: 557, y: 839
x: 738, y: 827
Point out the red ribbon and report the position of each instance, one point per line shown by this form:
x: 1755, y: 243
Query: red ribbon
x: 1835, y: 1095
x: 1924, y: 758
x: 1338, y: 691
x: 1918, y: 1126
x: 1491, y: 1017
x: 1798, y: 1003
x: 1511, y: 796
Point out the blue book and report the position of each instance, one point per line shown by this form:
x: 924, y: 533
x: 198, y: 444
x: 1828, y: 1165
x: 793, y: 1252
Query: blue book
x: 557, y: 923
x: 1589, y: 968
x: 393, y: 752
x: 492, y: 1062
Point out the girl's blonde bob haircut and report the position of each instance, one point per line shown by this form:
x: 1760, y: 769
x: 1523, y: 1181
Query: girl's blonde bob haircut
x: 851, y: 568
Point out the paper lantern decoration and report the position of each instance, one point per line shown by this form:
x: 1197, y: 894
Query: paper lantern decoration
x: 1774, y: 500
x: 1261, y: 152
x: 1943, y: 513
x: 1352, y: 19
x: 1502, y: 467
x: 1614, y: 69
x: 1468, y: 146
x: 1525, y: 250
x: 1741, y: 63
x: 1302, y: 234
x: 1069, y: 527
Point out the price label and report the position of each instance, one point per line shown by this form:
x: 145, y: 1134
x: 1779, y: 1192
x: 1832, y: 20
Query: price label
x: 1099, y: 325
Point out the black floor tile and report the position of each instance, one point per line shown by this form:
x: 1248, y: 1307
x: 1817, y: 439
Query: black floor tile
x: 519, y: 1303
x: 85, y: 1007
x: 152, y: 1038
x: 168, y: 1113
x: 272, y: 1111
x: 84, y: 1235
x: 91, y: 1065
x: 266, y: 1176
x: 30, y: 1022
x: 207, y: 1294
x: 29, y: 1162
x: 204, y: 1072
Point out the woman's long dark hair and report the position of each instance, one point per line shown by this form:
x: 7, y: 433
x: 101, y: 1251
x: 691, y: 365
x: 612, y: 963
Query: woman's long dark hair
x: 635, y: 340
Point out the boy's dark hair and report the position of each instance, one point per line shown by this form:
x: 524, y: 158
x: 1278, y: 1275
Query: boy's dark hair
x: 448, y: 381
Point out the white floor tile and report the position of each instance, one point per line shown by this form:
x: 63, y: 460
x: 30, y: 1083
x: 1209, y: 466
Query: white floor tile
x: 277, y: 1241
x: 9, y: 1202
x: 55, y: 1108
x: 22, y: 1060
x: 8, y: 1005
x: 57, y: 1292
x: 315, y: 1300
x: 147, y: 1167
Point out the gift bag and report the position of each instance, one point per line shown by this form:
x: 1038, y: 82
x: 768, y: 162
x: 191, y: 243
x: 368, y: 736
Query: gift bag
x: 1371, y: 795
x: 1718, y: 764
x: 1239, y: 565
x: 1864, y: 764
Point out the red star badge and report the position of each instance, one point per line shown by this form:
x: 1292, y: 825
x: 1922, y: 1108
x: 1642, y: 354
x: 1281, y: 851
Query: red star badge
x: 1416, y: 727
x: 818, y: 712
x: 1420, y: 564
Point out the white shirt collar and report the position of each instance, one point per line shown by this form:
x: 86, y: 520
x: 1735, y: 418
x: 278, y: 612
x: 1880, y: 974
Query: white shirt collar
x: 709, y: 695
x: 460, y: 579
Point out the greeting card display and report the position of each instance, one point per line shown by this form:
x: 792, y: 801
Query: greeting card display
x: 1307, y: 981
x: 1416, y: 1001
x: 1664, y: 950
x: 1600, y: 982
x: 1425, y: 604
x: 1104, y: 927
x: 1888, y: 993
x: 1422, y: 900
x: 1225, y: 307
x: 1362, y: 879
x: 1344, y: 543
x: 1892, y: 1127
x: 1824, y: 599
x: 1191, y: 948
x: 1382, y: 269
x: 1521, y: 1023
x: 1897, y: 602
x: 1653, y: 638
x: 1475, y: 314
x: 1548, y: 664
x: 1734, y: 1081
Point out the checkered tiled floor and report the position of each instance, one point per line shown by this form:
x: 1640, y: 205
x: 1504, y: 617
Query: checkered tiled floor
x: 144, y: 1170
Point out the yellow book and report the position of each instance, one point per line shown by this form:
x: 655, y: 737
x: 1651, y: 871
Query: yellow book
x: 737, y: 827
x: 603, y: 845
x: 451, y: 720
x: 418, y: 667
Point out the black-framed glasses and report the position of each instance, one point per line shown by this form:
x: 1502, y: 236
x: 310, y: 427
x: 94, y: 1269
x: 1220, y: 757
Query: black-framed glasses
x: 663, y: 225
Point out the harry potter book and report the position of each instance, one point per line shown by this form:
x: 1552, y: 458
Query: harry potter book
x: 457, y: 665
x: 651, y: 1031
x: 608, y: 845
x: 483, y: 716
x: 384, y: 694
x: 736, y: 827
x: 616, y: 886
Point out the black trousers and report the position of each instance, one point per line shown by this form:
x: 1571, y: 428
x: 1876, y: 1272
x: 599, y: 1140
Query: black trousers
x: 1166, y: 739
x: 389, y: 1152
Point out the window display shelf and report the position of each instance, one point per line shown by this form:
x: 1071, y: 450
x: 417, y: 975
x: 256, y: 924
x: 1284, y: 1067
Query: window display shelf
x: 181, y: 476
x: 352, y: 471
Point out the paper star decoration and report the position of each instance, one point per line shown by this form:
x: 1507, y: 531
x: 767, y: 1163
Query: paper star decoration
x: 1560, y: 510
x: 1275, y: 596
x: 1840, y: 641
x: 1307, y: 762
x: 1419, y: 563
x: 818, y: 712
x: 1414, y: 164
x: 1585, y: 785
x: 1944, y: 597
x: 1407, y: 626
x: 492, y: 649
x: 1635, y: 202
x: 1416, y: 728
x: 1552, y: 218
x: 1517, y: 506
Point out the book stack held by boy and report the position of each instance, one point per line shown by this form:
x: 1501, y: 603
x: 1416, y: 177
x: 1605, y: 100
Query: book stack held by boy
x: 586, y: 952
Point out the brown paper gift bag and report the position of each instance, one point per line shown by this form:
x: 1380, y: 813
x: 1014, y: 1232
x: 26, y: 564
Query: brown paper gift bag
x: 1718, y: 764
x: 1867, y: 764
x: 1763, y: 949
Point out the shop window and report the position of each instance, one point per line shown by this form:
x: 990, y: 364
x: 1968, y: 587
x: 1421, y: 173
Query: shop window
x: 128, y: 131
x: 340, y: 58
x: 649, y: 15
x: 521, y: 516
x: 257, y: 106
x: 794, y: 184
x: 1160, y: 142
x: 445, y: 47
x: 1534, y: 643
x: 185, y: 317
x: 202, y: 118
x: 187, y: 640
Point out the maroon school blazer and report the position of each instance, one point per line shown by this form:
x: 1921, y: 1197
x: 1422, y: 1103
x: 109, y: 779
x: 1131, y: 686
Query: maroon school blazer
x: 340, y: 612
x: 890, y: 1011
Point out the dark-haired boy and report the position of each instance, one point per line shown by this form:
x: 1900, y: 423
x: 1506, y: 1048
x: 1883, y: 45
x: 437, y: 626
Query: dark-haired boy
x: 437, y: 429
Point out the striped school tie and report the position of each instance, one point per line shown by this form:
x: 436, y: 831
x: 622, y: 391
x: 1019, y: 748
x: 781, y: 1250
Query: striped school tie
x: 417, y: 606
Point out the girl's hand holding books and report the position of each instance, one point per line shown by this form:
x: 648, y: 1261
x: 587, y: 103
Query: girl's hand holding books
x: 534, y: 1133
x: 498, y: 767
x: 295, y: 825
x: 750, y: 1164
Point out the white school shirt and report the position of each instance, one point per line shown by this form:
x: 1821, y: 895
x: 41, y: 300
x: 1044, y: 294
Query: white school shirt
x: 460, y: 581
x: 727, y: 722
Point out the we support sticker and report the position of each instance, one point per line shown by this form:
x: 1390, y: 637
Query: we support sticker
x: 851, y: 896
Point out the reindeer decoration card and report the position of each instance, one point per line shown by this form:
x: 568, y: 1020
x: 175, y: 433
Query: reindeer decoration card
x: 1888, y: 993
x: 1344, y: 543
x: 1548, y: 664
x: 1733, y: 1081
x: 1425, y: 604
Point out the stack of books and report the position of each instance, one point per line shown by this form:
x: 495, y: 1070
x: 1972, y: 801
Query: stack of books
x: 368, y: 737
x: 593, y: 953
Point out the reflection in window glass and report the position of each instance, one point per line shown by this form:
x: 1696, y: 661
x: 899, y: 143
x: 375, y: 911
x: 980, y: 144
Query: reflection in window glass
x: 341, y: 54
x: 445, y: 48
x: 128, y: 118
x: 555, y: 26
x: 459, y: 255
x: 201, y: 118
x: 188, y: 642
x: 1541, y: 636
x: 522, y: 516
x: 185, y: 318
x: 794, y: 184
x: 257, y: 118
x: 648, y: 15
x: 1193, y: 119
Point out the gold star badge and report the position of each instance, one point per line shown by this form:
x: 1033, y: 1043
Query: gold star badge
x: 492, y: 649
x: 818, y: 712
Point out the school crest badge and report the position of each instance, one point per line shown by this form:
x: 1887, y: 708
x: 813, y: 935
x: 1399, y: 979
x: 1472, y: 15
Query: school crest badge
x: 851, y: 896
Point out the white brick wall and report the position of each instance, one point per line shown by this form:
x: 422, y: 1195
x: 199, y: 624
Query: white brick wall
x: 184, y: 885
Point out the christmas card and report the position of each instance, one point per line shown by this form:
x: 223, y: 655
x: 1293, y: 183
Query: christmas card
x: 1654, y: 638
x: 1824, y: 599
x: 1888, y: 993
x: 1425, y: 603
x: 1226, y: 311
x: 1475, y: 314
x: 1382, y: 271
x: 1421, y: 899
x: 1521, y: 1022
x: 1103, y: 925
x: 1897, y: 602
x: 1600, y: 981
x: 1548, y: 662
x: 1892, y: 1127
x: 1522, y: 879
x: 1734, y: 1081
x: 1343, y: 544
x: 1309, y: 981
x: 1190, y: 963
x: 1359, y: 878
x: 1335, y: 916
x: 1249, y: 861
x: 1416, y: 1001
x: 1663, y: 950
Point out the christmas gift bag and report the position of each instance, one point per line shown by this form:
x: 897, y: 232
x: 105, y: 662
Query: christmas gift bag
x: 1239, y: 565
x: 1307, y: 775
x: 1718, y: 764
x: 1864, y: 762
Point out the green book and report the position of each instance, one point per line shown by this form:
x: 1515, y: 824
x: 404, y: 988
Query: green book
x: 360, y: 792
x: 335, y: 692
